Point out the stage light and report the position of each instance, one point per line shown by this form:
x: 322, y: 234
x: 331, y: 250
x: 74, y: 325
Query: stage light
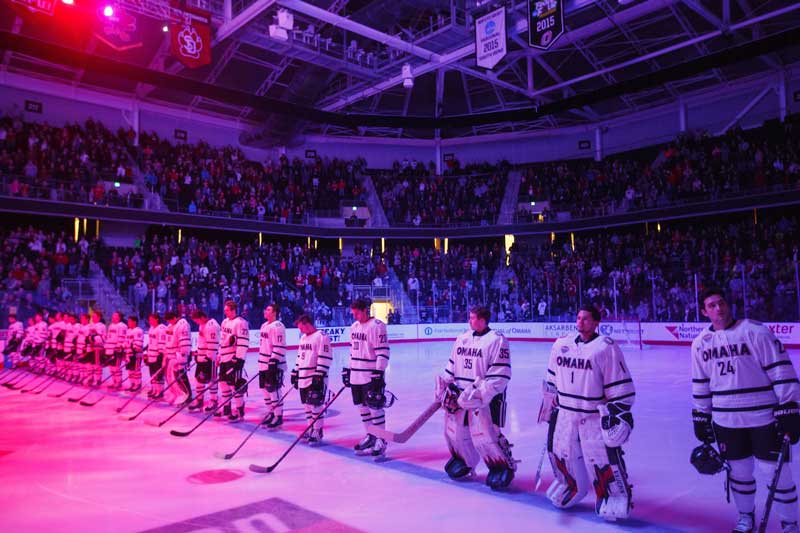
x: 165, y: 28
x: 68, y: 2
x: 108, y: 11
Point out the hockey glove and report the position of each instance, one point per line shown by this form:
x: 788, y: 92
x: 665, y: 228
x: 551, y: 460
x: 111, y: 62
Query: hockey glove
x: 294, y: 378
x: 703, y: 429
x: 616, y: 423
x: 450, y: 401
x: 232, y: 340
x: 346, y: 377
x: 318, y: 382
x: 238, y: 364
x: 788, y: 418
x: 378, y: 384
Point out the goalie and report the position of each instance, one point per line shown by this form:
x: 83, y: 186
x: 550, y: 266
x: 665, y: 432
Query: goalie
x: 588, y: 394
x: 473, y: 393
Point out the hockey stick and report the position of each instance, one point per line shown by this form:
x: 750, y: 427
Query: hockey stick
x: 136, y: 393
x: 267, y: 469
x: 183, y: 406
x: 91, y: 390
x: 785, y: 444
x: 409, y: 432
x: 177, y: 433
x: 46, y: 379
x: 103, y: 394
x: 161, y: 394
x: 227, y: 456
x: 21, y: 385
x: 538, y: 479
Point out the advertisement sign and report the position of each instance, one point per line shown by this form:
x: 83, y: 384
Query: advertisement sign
x: 490, y: 38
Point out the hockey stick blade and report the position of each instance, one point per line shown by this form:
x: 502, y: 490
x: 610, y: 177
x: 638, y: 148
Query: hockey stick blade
x: 225, y: 456
x: 176, y: 433
x: 261, y: 469
x: 92, y: 404
x: 409, y: 432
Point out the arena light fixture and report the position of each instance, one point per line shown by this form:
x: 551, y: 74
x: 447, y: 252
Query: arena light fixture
x: 108, y: 11
x: 68, y: 2
x: 165, y: 28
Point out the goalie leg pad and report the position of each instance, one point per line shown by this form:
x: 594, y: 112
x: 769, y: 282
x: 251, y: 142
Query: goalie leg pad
x: 456, y: 468
x: 493, y: 447
x: 571, y: 481
x: 610, y: 476
x: 459, y: 439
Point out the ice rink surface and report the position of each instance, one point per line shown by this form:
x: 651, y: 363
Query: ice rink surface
x: 70, y: 468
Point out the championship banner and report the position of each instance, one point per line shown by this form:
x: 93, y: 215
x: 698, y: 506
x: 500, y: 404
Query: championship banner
x: 47, y: 7
x: 118, y: 31
x: 490, y: 38
x: 545, y: 22
x: 190, y: 36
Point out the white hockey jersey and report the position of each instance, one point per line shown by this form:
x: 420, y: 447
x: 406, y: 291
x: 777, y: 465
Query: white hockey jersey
x: 56, y: 332
x: 369, y: 350
x: 97, y: 332
x: 208, y: 341
x: 314, y: 356
x: 133, y: 343
x: 482, y: 361
x: 741, y: 374
x: 38, y: 333
x: 82, y: 341
x: 156, y: 342
x: 70, y: 338
x: 272, y: 344
x: 234, y: 339
x: 16, y: 331
x: 179, y: 341
x: 587, y: 374
x: 115, y: 337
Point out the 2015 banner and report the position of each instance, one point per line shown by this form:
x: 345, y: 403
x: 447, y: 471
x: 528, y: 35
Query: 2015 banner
x: 490, y: 38
x: 191, y: 36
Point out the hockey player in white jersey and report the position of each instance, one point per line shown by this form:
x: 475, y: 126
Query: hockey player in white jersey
x: 156, y: 342
x: 16, y: 334
x: 588, y: 395
x: 472, y: 390
x: 38, y: 342
x: 97, y: 339
x: 114, y: 349
x: 365, y: 375
x: 54, y: 327
x: 745, y: 397
x: 310, y: 373
x: 70, y: 348
x: 83, y: 349
x: 234, y: 342
x: 272, y: 364
x: 206, y: 361
x: 177, y: 353
x: 132, y: 346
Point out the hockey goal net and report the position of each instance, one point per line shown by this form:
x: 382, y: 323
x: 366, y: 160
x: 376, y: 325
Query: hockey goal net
x: 625, y: 330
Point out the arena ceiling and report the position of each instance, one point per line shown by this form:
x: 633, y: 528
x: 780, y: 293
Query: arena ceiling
x: 339, y: 71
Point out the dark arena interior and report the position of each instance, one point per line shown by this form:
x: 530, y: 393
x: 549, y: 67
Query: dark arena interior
x: 399, y: 265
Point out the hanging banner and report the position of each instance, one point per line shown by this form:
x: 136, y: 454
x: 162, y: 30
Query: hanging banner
x: 490, y: 38
x: 190, y: 36
x: 545, y: 22
x: 47, y: 7
x: 118, y: 31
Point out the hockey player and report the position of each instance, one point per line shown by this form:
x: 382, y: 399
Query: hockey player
x: 54, y: 329
x: 310, y: 373
x: 97, y: 338
x: 745, y: 392
x: 115, y: 349
x: 177, y: 352
x: 272, y: 364
x: 134, y: 339
x: 38, y: 343
x: 472, y: 390
x: 369, y: 358
x: 207, y: 361
x: 156, y: 341
x: 72, y: 366
x: 83, y: 351
x: 16, y: 334
x: 234, y: 342
x: 588, y: 394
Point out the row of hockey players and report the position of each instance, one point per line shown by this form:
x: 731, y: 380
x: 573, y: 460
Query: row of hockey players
x: 745, y: 392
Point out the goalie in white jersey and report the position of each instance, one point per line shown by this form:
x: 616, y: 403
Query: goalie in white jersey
x: 115, y: 349
x: 588, y: 394
x: 177, y: 354
x: 272, y: 365
x: 472, y: 390
x: 369, y: 358
x: 310, y: 373
x: 745, y: 397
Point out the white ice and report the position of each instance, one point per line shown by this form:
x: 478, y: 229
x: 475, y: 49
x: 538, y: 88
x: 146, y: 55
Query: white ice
x: 66, y: 467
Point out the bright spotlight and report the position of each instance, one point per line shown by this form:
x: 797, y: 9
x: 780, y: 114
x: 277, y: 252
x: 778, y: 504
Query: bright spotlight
x: 68, y: 2
x: 165, y: 28
x: 108, y: 11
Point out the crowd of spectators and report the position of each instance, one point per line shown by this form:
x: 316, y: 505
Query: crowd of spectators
x: 696, y: 166
x: 73, y: 163
x: 33, y: 262
x: 199, y: 178
x: 415, y: 196
x: 161, y: 274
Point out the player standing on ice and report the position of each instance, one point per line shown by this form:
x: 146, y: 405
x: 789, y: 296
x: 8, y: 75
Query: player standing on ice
x: 179, y: 346
x: 115, y: 349
x: 134, y: 340
x: 206, y: 357
x: 745, y: 392
x: 156, y: 342
x: 369, y: 358
x: 310, y: 373
x: 472, y: 390
x: 234, y: 342
x: 272, y: 365
x: 16, y: 334
x: 588, y: 394
x: 96, y: 339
